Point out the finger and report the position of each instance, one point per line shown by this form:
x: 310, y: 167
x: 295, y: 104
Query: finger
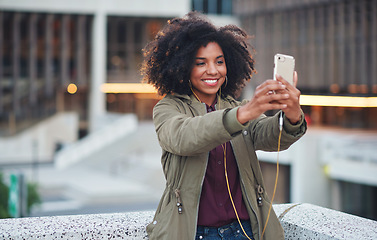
x: 272, y: 105
x: 279, y: 78
x: 275, y: 98
x: 269, y: 86
x: 280, y: 96
x: 276, y: 106
x: 263, y: 99
x: 295, y: 79
x: 268, y: 82
x: 294, y: 97
x: 289, y: 87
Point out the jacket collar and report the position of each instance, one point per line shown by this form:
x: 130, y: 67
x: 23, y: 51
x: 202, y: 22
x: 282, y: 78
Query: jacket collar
x: 191, y: 99
x: 186, y: 97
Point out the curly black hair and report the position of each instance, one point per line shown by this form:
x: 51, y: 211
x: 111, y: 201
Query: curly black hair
x: 170, y: 57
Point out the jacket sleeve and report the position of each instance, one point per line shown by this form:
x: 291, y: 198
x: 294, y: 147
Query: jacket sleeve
x: 180, y: 133
x: 265, y: 132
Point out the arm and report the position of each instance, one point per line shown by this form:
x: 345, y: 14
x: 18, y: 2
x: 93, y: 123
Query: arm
x: 273, y: 95
x: 180, y: 133
x: 265, y: 130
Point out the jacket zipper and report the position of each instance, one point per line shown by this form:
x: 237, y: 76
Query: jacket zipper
x: 247, y: 197
x: 200, y: 193
x: 201, y: 187
x: 243, y: 185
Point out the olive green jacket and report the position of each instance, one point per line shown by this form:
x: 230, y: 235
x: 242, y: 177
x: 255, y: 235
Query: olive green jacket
x: 186, y: 133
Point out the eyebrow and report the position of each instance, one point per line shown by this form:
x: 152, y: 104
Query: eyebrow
x: 203, y: 58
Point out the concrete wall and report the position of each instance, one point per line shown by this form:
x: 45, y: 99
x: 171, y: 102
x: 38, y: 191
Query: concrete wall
x: 324, y: 156
x: 40, y: 141
x: 300, y: 221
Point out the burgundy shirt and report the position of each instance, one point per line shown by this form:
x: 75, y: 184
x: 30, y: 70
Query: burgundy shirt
x: 215, y: 207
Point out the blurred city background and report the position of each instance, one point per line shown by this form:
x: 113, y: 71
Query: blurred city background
x: 76, y: 131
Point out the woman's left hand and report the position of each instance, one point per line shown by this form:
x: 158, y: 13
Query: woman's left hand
x: 293, y: 109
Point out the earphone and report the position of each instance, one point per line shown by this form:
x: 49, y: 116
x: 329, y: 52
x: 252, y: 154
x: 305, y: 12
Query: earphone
x: 226, y: 173
x: 223, y: 146
x: 277, y: 173
x: 276, y: 178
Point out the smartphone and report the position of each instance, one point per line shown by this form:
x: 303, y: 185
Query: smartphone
x: 284, y: 65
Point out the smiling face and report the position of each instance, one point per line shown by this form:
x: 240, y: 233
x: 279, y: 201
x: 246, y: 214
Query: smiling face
x: 208, y: 72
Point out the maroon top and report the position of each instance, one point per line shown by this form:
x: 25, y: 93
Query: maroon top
x: 215, y: 207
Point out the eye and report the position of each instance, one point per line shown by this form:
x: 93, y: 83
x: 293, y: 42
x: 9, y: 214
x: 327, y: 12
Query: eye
x: 220, y: 62
x: 199, y: 63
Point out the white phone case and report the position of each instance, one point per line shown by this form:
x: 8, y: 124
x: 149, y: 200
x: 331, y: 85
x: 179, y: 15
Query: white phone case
x: 284, y: 65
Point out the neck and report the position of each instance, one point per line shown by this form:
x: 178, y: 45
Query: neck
x: 209, y: 101
x: 205, y: 99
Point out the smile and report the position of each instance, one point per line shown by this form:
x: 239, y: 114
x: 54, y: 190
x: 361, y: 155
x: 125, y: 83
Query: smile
x: 211, y: 82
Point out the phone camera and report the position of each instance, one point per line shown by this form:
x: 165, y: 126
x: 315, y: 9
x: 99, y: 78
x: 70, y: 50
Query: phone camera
x: 281, y: 58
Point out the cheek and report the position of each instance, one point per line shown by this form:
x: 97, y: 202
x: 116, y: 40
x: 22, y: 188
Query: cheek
x: 223, y: 71
x: 196, y: 73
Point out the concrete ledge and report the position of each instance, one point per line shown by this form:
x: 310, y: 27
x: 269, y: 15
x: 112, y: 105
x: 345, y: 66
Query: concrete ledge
x: 306, y: 221
x: 93, y: 226
x: 300, y: 221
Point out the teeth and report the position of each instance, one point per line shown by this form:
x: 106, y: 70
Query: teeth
x: 210, y: 81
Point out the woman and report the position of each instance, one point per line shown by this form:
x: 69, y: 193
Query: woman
x: 208, y: 139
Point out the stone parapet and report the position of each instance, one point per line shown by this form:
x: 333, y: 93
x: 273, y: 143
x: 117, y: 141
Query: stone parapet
x: 300, y: 221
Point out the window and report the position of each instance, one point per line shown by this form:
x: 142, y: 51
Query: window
x: 358, y: 199
x: 218, y: 7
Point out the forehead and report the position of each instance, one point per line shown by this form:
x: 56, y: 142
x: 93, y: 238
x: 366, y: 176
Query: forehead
x: 212, y: 49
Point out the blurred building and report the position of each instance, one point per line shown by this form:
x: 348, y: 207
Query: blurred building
x: 55, y: 56
x: 47, y: 46
x: 335, y: 47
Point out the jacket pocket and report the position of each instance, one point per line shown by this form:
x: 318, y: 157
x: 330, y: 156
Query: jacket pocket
x: 159, y: 227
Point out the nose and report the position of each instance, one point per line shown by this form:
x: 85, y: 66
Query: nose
x: 212, y: 69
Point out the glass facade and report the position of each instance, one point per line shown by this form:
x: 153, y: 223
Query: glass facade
x: 41, y: 54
